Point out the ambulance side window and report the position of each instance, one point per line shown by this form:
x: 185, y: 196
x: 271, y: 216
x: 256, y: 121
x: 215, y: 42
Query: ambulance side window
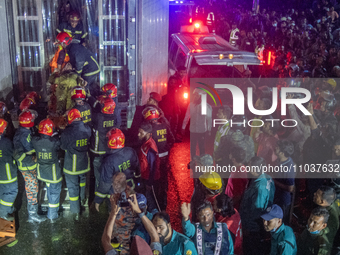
x: 173, y: 51
x: 181, y: 59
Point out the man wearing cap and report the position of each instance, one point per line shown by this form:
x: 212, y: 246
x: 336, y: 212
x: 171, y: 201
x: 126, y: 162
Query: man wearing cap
x: 209, y: 237
x: 149, y: 164
x: 283, y: 239
x: 313, y: 239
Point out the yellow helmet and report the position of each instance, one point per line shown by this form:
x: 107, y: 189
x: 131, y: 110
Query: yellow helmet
x: 211, y: 180
x: 332, y: 82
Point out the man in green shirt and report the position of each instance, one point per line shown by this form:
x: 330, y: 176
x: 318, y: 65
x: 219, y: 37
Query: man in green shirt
x: 313, y: 240
x: 173, y: 243
x: 325, y: 197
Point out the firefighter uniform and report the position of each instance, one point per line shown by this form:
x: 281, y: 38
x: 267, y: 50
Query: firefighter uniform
x: 8, y: 177
x: 118, y: 160
x: 102, y: 123
x: 24, y: 155
x: 85, y: 65
x: 86, y: 113
x: 164, y: 139
x: 77, y: 33
x: 48, y: 170
x: 234, y: 36
x: 74, y: 140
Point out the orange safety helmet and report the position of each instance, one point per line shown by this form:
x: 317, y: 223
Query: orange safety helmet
x: 72, y: 115
x: 34, y: 95
x: 3, y: 126
x: 27, y: 103
x: 116, y: 139
x: 108, y: 105
x: 74, y: 16
x: 110, y: 89
x: 26, y: 118
x: 46, y: 127
x: 3, y: 108
x: 64, y: 37
x: 150, y: 113
x: 78, y: 93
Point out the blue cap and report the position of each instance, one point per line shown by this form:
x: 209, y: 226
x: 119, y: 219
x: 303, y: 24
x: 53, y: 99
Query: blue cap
x: 272, y: 212
x: 142, y: 202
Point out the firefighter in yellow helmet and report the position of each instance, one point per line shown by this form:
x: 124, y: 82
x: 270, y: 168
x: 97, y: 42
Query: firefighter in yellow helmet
x: 209, y: 184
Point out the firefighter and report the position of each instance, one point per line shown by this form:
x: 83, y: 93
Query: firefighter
x: 46, y: 146
x: 118, y: 159
x: 27, y: 103
x: 74, y: 27
x: 110, y: 90
x: 75, y: 141
x: 103, y: 122
x: 8, y: 175
x: 4, y: 114
x: 164, y: 139
x: 149, y: 164
x: 83, y: 61
x: 79, y: 95
x: 234, y: 35
x: 25, y: 156
x: 60, y: 58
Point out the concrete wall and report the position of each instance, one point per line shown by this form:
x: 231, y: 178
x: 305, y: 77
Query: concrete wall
x: 6, y: 85
x: 153, y: 37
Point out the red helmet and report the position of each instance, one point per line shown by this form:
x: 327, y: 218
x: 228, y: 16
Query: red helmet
x: 26, y: 118
x: 3, y: 126
x: 74, y: 16
x: 78, y: 93
x: 46, y: 127
x: 72, y: 115
x: 116, y: 139
x: 64, y: 37
x: 27, y: 103
x: 150, y: 113
x: 110, y: 90
x: 34, y: 95
x: 108, y: 105
x: 3, y: 108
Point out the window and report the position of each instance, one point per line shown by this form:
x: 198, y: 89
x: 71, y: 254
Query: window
x: 181, y: 59
x: 173, y: 51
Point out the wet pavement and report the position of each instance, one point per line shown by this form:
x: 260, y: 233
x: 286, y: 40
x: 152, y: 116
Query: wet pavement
x: 84, y: 237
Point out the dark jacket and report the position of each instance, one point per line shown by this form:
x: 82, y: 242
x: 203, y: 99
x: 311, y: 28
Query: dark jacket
x: 102, y: 123
x: 77, y: 33
x: 46, y: 148
x: 119, y: 160
x: 23, y: 149
x: 74, y: 141
x: 86, y: 113
x: 8, y: 169
x: 82, y: 60
x: 163, y: 137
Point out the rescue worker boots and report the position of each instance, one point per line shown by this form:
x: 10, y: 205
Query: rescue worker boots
x: 33, y: 214
x: 6, y: 216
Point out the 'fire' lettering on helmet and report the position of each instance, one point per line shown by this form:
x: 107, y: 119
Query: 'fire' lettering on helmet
x: 82, y: 142
x: 124, y: 166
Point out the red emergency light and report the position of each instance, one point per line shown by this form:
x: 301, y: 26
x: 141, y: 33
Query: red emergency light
x: 197, y: 25
x: 186, y: 95
x: 190, y: 20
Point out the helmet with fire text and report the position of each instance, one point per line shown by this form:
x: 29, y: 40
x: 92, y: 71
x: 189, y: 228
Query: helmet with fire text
x: 150, y: 113
x: 74, y: 16
x: 110, y: 89
x: 27, y: 103
x: 3, y: 126
x: 34, y: 95
x: 26, y: 118
x: 116, y: 139
x: 46, y: 127
x: 64, y: 37
x: 72, y: 115
x: 108, y: 105
x: 78, y: 93
x: 3, y: 108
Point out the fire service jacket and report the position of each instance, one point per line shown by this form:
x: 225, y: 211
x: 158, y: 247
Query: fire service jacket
x: 8, y: 169
x: 23, y: 149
